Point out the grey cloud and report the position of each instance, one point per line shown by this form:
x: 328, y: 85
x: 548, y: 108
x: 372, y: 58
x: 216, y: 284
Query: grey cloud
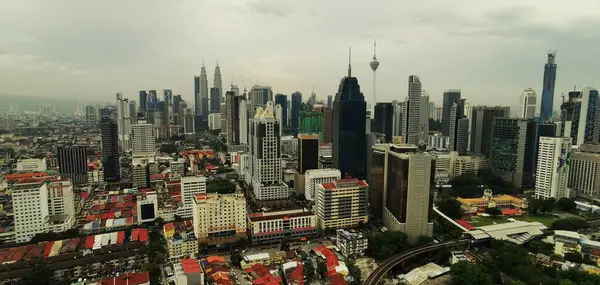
x: 271, y: 7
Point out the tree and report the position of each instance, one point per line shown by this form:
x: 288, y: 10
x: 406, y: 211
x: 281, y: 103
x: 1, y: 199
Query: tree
x: 284, y: 246
x: 321, y: 269
x: 219, y: 185
x: 569, y: 224
x: 493, y: 211
x: 517, y: 283
x: 309, y: 271
x: 236, y: 258
x: 534, y: 206
x: 548, y: 205
x: 354, y: 271
x: 565, y: 282
x: 451, y: 208
x: 39, y: 275
x: 465, y: 273
x: 385, y: 245
x: 424, y: 240
x: 573, y: 257
x: 168, y: 148
x: 566, y: 204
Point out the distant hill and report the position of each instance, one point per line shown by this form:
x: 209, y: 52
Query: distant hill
x: 30, y: 103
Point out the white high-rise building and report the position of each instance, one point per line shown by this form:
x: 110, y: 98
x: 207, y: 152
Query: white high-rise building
x: 397, y: 119
x: 279, y: 117
x: 123, y: 122
x: 266, y: 156
x: 528, y: 103
x: 142, y: 137
x: 203, y: 93
x: 42, y: 206
x: 190, y: 187
x: 552, y: 174
x: 217, y: 82
x: 313, y: 177
x: 413, y: 126
x: 214, y: 121
x: 221, y: 216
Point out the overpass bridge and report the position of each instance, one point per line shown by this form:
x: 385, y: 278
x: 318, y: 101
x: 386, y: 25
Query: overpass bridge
x: 393, y: 261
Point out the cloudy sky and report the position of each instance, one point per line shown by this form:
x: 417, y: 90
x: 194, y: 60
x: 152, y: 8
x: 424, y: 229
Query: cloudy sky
x: 491, y: 50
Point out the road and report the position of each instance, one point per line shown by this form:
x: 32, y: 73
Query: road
x: 387, y: 265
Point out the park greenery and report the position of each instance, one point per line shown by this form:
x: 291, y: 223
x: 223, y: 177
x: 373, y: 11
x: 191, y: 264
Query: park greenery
x: 570, y: 224
x: 220, y: 186
x: 168, y: 148
x: 451, y: 208
x: 516, y: 263
x: 472, y: 185
x: 383, y: 245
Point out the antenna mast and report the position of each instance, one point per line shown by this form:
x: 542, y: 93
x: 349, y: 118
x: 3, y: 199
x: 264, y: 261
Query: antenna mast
x: 349, y: 61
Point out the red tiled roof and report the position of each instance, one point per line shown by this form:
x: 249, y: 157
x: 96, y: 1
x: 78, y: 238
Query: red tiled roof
x: 510, y: 212
x: 25, y: 175
x: 215, y: 259
x: 127, y: 279
x: 465, y: 224
x: 190, y: 265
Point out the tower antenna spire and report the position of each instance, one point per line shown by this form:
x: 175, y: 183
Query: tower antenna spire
x: 349, y: 61
x: 374, y: 49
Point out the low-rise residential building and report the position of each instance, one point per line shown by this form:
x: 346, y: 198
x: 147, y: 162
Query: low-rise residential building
x: 180, y: 239
x: 31, y: 164
x: 177, y: 167
x: 573, y: 242
x: 351, y: 243
x: 188, y: 272
x: 219, y: 218
x: 275, y: 226
x: 342, y: 203
x: 138, y: 278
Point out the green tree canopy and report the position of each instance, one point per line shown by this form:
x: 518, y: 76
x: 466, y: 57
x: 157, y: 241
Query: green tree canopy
x: 168, y: 148
x: 451, y: 208
x: 570, y: 224
x: 566, y: 204
x: 387, y: 244
x: 465, y: 273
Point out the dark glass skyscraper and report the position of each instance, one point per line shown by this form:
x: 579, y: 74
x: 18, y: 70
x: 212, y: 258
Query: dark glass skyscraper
x: 110, y: 149
x: 72, y: 163
x: 296, y: 106
x: 215, y: 100
x: 143, y: 100
x: 281, y: 99
x: 548, y: 88
x: 384, y: 120
x: 349, y: 129
x: 450, y: 96
x: 197, y: 100
x: 330, y: 101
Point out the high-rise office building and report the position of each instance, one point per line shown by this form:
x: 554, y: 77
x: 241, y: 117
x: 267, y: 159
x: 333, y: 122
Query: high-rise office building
x: 450, y: 96
x: 189, y: 126
x: 110, y: 149
x: 72, y: 163
x: 308, y: 152
x: 233, y: 117
x: 584, y: 172
x: 197, y: 100
x: 384, y: 120
x: 140, y: 176
x: 215, y: 100
x: 152, y: 100
x: 548, y: 88
x: 311, y: 122
x: 424, y: 118
x: 349, y: 128
x: 181, y: 114
x: 124, y: 122
x: 281, y: 99
x: 552, y: 174
x: 296, y: 106
x: 542, y: 129
x: 92, y: 114
x: 329, y: 101
x: 528, y: 103
x: 375, y: 180
x: 142, y: 136
x: 327, y: 124
x: 260, y: 95
x: 217, y: 82
x: 203, y: 110
x: 191, y: 186
x: 243, y: 120
x: 413, y: 117
x: 143, y: 100
x: 457, y: 113
x: 512, y: 150
x: 398, y: 119
x: 265, y: 154
x: 133, y: 111
x: 408, y: 193
x: 342, y: 203
x: 279, y: 117
x: 314, y: 177
x: 481, y: 127
x: 176, y: 102
x: 581, y: 116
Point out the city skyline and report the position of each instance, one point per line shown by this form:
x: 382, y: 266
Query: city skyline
x: 126, y: 57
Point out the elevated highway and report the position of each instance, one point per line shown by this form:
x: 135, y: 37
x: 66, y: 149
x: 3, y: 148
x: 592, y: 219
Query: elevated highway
x: 390, y: 263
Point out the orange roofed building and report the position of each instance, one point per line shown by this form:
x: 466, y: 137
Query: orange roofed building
x: 475, y: 205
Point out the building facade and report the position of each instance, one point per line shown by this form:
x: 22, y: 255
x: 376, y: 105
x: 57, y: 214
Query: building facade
x: 548, y: 87
x: 552, y: 174
x: 449, y: 98
x: 143, y: 139
x: 584, y: 172
x: 314, y: 177
x: 351, y: 243
x: 481, y: 126
x: 512, y: 150
x: 190, y: 187
x: 528, y: 104
x: 72, y: 162
x: 342, y: 203
x: 277, y: 226
x: 219, y: 218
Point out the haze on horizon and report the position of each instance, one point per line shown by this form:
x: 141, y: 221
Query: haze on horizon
x: 492, y: 51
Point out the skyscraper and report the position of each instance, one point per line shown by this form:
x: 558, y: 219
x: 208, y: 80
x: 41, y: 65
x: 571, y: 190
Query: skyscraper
x: 217, y: 82
x: 215, y: 100
x: 383, y: 122
x: 528, y: 103
x: 584, y: 171
x: 548, y: 88
x: 553, y: 168
x: 581, y: 116
x: 349, y: 128
x: 327, y: 124
x: 260, y: 95
x: 296, y: 105
x: 197, y: 100
x: 72, y: 163
x: 311, y: 122
x: 203, y: 110
x: 152, y: 100
x: 110, y: 149
x: 265, y: 153
x: 425, y: 117
x: 408, y: 192
x: 329, y: 101
x: 143, y: 100
x: 542, y: 129
x: 308, y: 152
x: 142, y: 135
x: 124, y: 122
x: 457, y: 113
x: 512, y: 150
x: 281, y: 99
x: 233, y: 117
x: 481, y: 126
x: 450, y: 96
x: 133, y: 111
x: 176, y: 101
x: 413, y: 124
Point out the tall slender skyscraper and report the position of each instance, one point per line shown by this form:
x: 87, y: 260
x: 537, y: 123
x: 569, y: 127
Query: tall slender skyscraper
x: 203, y: 93
x: 143, y: 99
x: 383, y: 120
x: 424, y: 117
x: 349, y: 136
x: 548, y: 88
x: 110, y: 148
x: 197, y: 101
x: 528, y: 103
x: 215, y: 100
x: 413, y: 124
x: 124, y: 122
x: 450, y: 96
x: 281, y: 99
x: 217, y: 82
x: 374, y: 65
x: 296, y: 105
x: 329, y: 101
